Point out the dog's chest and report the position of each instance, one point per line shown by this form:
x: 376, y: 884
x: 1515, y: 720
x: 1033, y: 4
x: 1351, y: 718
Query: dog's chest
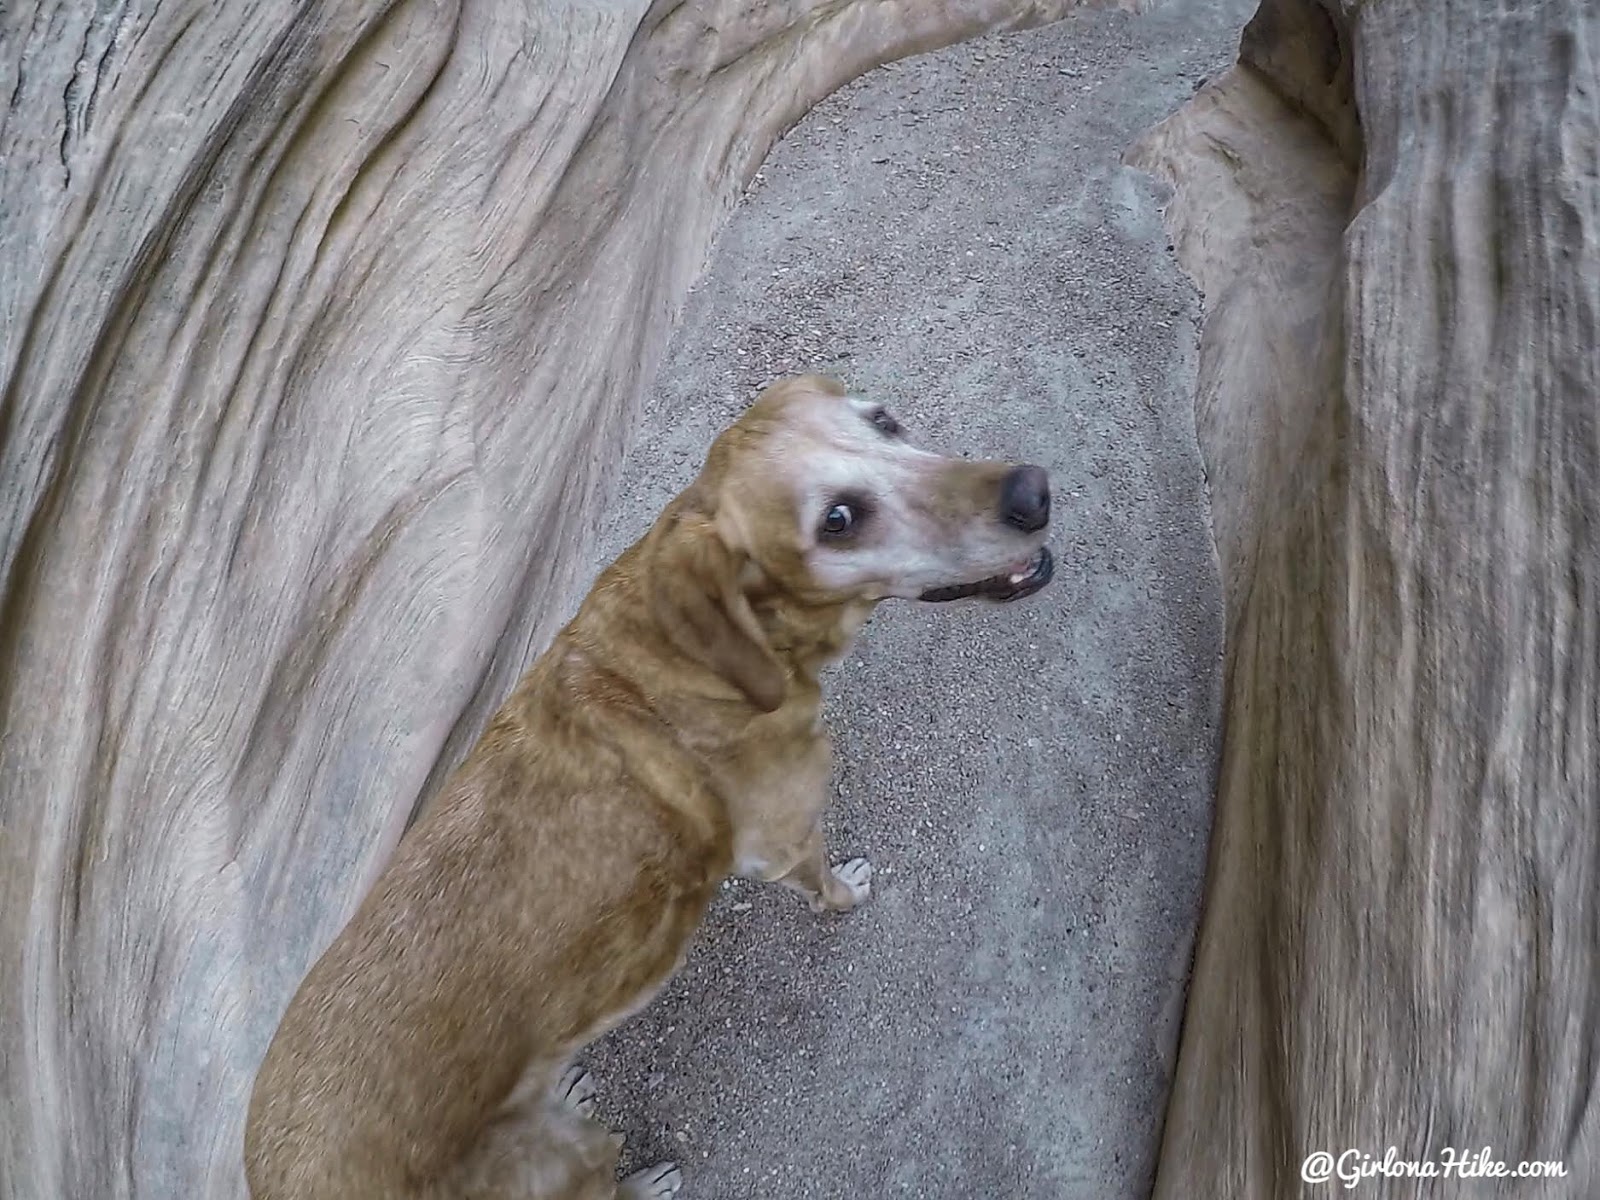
x: 776, y: 787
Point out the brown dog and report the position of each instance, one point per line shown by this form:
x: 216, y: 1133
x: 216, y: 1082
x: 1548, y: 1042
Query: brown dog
x: 670, y: 735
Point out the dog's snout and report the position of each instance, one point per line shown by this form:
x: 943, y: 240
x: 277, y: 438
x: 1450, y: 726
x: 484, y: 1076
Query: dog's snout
x: 1025, y: 498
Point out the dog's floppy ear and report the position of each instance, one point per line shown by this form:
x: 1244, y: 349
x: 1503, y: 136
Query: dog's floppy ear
x: 701, y: 604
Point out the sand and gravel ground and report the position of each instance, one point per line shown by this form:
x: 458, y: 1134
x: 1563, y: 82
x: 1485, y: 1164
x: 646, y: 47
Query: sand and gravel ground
x: 955, y: 234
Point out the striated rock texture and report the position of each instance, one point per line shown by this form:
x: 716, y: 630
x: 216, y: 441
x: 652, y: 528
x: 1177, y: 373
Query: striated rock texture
x: 1394, y: 210
x: 320, y: 325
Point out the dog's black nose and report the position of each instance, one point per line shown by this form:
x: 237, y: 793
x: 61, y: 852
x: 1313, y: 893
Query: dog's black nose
x: 1025, y: 498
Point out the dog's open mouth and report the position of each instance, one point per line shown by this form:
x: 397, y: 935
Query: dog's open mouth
x: 1024, y: 579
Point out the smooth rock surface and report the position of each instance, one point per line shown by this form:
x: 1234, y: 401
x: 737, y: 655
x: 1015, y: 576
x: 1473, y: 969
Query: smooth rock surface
x: 1393, y: 209
x: 956, y: 236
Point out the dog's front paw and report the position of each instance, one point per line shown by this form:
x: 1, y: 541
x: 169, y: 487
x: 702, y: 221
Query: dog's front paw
x: 660, y: 1182
x: 852, y: 884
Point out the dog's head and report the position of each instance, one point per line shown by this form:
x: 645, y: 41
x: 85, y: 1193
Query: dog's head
x: 813, y: 507
x: 827, y: 495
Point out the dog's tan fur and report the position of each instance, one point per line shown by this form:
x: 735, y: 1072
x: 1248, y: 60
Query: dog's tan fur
x: 668, y: 737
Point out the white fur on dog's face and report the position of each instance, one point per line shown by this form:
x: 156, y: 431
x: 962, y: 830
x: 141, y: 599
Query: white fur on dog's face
x: 915, y: 520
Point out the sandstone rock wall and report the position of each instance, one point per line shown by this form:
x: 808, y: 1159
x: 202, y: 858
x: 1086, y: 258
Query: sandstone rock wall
x: 1393, y: 208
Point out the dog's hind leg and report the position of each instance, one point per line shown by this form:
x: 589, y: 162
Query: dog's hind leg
x: 660, y: 1182
x: 548, y: 1147
x: 575, y: 1091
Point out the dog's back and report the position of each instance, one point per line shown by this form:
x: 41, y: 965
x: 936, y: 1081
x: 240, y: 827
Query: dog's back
x: 550, y: 887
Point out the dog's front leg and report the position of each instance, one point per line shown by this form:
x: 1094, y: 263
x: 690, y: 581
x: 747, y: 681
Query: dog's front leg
x: 827, y: 888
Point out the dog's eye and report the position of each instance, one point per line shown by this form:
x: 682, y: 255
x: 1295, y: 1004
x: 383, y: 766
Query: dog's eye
x: 838, y: 520
x: 881, y: 418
